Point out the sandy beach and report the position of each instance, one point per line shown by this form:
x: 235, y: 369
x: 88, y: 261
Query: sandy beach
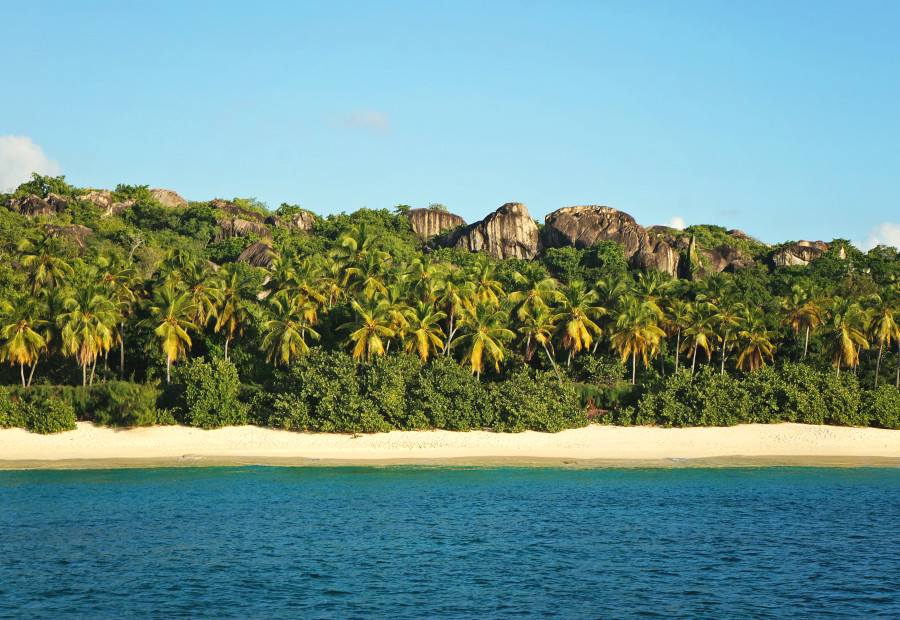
x: 91, y: 445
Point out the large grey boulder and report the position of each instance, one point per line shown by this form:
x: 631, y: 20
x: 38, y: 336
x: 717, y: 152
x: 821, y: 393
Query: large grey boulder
x: 168, y: 198
x: 427, y: 223
x: 259, y: 254
x: 76, y: 233
x: 584, y: 226
x: 31, y: 206
x: 800, y: 253
x: 507, y: 232
x: 236, y: 227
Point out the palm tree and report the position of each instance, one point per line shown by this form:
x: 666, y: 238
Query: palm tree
x: 484, y: 333
x: 170, y: 311
x: 609, y: 289
x: 637, y: 331
x: 755, y: 340
x: 728, y: 313
x: 366, y: 276
x: 425, y: 277
x: 677, y: 316
x: 846, y: 332
x: 455, y: 294
x: 801, y: 311
x: 486, y: 287
x: 538, y: 327
x: 237, y: 293
x: 205, y: 289
x: 884, y: 328
x: 701, y: 334
x: 576, y: 318
x: 538, y: 290
x: 41, y: 257
x: 88, y: 327
x: 423, y: 334
x: 22, y: 342
x: 124, y: 284
x: 286, y: 332
x: 371, y: 327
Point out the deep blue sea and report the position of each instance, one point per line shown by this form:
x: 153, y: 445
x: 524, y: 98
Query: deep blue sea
x: 450, y: 542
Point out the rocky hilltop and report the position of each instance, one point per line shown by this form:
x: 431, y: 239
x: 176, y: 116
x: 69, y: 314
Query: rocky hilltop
x: 583, y: 227
x: 508, y: 232
x: 427, y: 223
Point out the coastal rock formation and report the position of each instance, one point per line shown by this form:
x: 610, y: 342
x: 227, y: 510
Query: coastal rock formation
x: 76, y: 233
x: 31, y: 206
x: 800, y: 253
x: 507, y: 232
x: 233, y: 209
x: 168, y: 198
x: 236, y: 227
x: 304, y: 221
x: 427, y: 223
x: 103, y: 199
x: 259, y: 254
x: 583, y: 227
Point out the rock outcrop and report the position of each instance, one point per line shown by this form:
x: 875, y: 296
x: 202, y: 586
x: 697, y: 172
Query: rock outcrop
x: 31, y: 206
x: 427, y: 223
x: 168, y: 198
x: 583, y: 227
x: 103, y: 199
x: 76, y: 233
x: 507, y: 232
x: 233, y: 209
x: 304, y: 221
x: 236, y: 227
x: 800, y: 253
x: 259, y: 254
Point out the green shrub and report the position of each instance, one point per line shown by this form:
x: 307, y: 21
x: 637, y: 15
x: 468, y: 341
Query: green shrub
x: 535, y: 400
x: 449, y: 396
x: 210, y: 394
x: 11, y: 413
x: 882, y: 406
x: 120, y: 403
x: 49, y: 416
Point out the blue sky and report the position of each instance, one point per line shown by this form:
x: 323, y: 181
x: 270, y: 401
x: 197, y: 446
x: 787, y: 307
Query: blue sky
x: 778, y: 118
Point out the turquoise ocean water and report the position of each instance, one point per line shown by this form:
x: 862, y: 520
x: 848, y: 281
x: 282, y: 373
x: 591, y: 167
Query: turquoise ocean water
x: 442, y: 542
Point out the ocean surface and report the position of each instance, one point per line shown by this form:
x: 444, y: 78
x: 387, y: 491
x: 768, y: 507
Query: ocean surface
x: 450, y: 542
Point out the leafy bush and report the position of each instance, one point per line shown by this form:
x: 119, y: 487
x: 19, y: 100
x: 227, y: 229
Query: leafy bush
x: 882, y: 406
x: 448, y: 396
x: 210, y: 394
x: 11, y: 414
x: 49, y: 416
x: 534, y: 400
x: 120, y: 403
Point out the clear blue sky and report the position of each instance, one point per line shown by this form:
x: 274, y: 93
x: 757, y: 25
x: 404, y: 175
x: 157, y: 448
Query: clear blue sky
x: 779, y: 118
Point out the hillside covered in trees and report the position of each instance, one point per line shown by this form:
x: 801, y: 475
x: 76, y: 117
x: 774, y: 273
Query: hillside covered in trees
x: 133, y: 306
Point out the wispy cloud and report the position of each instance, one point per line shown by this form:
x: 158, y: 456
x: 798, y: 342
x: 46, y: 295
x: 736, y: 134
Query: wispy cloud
x: 364, y: 119
x: 886, y: 233
x: 19, y: 157
x: 676, y: 222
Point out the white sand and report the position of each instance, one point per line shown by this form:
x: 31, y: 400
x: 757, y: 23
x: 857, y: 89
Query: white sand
x: 800, y: 442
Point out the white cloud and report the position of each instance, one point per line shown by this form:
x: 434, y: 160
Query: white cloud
x: 886, y: 233
x: 365, y: 119
x: 676, y: 222
x: 19, y: 157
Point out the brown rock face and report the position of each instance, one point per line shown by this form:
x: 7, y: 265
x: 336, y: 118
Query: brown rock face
x: 235, y: 227
x: 583, y: 227
x: 233, y: 209
x: 168, y: 198
x: 75, y: 233
x: 800, y: 253
x: 507, y: 232
x: 56, y: 201
x: 427, y: 223
x: 103, y: 198
x: 32, y: 205
x: 304, y: 221
x: 259, y: 254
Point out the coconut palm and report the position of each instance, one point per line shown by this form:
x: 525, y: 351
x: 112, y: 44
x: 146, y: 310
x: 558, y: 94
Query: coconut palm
x: 637, y: 331
x: 486, y: 288
x: 285, y: 334
x: 42, y: 259
x: 609, y: 289
x: 456, y: 292
x: 676, y: 318
x: 801, y: 311
x: 576, y: 318
x: 754, y: 340
x: 371, y: 328
x: 484, y: 333
x: 423, y: 334
x: 88, y: 327
x: 170, y: 312
x: 536, y: 290
x: 205, y: 289
x: 727, y: 319
x: 237, y: 294
x: 538, y: 328
x: 845, y: 332
x: 701, y: 334
x: 125, y: 285
x: 20, y: 339
x: 366, y: 276
x: 883, y: 328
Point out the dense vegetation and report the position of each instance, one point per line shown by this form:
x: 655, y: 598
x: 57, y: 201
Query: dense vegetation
x: 355, y: 329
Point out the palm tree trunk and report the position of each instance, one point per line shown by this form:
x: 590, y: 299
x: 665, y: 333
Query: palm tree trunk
x: 227, y: 340
x: 550, y: 357
x: 694, y: 361
x: 633, y: 366
x: 22, y: 372
x: 806, y: 344
x: 677, y: 350
x: 527, y: 345
x: 84, y: 374
x: 31, y: 374
x: 662, y: 366
x: 122, y: 351
x: 569, y: 360
x: 93, y: 368
x: 722, y: 372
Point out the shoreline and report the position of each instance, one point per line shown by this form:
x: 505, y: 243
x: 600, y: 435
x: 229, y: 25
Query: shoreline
x: 92, y: 446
